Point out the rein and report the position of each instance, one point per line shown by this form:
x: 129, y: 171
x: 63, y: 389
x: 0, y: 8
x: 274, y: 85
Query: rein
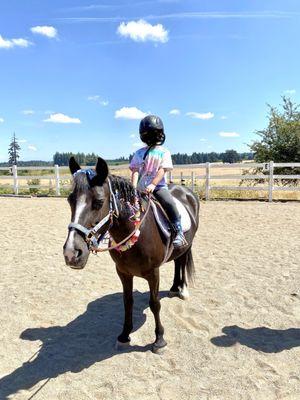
x: 90, y: 234
x: 116, y: 246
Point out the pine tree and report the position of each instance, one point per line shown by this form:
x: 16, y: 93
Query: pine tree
x: 13, y: 151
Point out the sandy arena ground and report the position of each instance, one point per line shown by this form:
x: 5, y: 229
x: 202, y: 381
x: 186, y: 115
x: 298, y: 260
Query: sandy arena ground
x: 237, y: 337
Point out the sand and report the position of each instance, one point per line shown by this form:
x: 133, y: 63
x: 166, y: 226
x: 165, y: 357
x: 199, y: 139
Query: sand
x: 237, y: 337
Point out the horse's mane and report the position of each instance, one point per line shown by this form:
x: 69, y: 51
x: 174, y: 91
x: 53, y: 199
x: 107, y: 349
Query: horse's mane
x: 124, y: 188
x: 120, y: 186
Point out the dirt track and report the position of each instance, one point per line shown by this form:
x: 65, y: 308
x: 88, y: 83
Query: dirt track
x: 237, y: 337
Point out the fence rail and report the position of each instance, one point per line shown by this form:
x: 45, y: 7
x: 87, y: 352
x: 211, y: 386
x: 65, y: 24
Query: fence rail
x: 58, y: 181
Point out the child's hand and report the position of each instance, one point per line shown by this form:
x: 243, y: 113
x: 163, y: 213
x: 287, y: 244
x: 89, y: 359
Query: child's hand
x: 150, y: 188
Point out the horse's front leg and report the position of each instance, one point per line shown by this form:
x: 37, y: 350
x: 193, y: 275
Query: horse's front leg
x: 154, y: 303
x: 127, y: 282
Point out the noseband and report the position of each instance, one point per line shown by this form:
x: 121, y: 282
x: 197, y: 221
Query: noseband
x: 90, y: 235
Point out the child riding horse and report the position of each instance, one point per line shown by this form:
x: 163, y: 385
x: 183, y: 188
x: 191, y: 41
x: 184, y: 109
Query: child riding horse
x: 104, y: 203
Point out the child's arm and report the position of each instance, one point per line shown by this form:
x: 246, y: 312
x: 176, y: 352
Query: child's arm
x: 159, y: 176
x: 134, y: 178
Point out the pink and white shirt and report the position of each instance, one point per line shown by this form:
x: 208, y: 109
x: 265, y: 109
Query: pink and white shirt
x: 158, y: 157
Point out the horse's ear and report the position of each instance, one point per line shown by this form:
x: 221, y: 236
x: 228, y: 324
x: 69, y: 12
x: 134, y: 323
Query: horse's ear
x: 73, y: 165
x: 102, y: 172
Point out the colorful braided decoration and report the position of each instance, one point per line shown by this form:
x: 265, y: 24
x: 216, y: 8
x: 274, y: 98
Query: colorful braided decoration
x: 136, y: 219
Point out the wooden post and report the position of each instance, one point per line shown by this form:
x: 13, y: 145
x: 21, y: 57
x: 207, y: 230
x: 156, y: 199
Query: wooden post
x: 181, y: 179
x: 57, y: 186
x: 193, y: 181
x: 207, y: 181
x: 16, y: 183
x: 271, y: 180
x: 170, y: 177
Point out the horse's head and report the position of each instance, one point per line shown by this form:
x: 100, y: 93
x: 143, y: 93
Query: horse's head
x: 89, y: 202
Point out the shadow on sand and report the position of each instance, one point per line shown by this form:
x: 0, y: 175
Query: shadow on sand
x: 88, y: 339
x: 259, y: 339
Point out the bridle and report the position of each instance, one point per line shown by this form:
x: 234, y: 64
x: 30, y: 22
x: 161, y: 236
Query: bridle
x: 92, y: 237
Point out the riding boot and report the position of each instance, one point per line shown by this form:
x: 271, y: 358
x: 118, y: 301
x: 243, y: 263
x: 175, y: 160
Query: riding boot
x: 179, y: 240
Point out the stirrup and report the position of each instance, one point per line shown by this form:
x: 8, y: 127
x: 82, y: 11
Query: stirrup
x: 179, y: 240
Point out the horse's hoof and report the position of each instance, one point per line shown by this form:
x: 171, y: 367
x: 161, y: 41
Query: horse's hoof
x: 184, y: 293
x: 122, y: 346
x: 160, y: 347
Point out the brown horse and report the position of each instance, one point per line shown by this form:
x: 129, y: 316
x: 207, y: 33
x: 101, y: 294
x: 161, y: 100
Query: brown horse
x: 97, y: 196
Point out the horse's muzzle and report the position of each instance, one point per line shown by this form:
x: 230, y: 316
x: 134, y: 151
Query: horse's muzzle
x: 76, y: 258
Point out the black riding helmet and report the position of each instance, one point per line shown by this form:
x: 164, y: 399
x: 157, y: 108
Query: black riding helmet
x: 152, y: 130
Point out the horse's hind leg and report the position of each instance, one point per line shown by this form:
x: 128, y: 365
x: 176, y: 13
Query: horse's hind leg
x: 127, y: 282
x: 179, y: 287
x: 154, y: 303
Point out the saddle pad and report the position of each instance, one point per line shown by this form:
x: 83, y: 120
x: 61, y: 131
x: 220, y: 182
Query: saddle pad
x: 163, y: 222
x: 185, y: 217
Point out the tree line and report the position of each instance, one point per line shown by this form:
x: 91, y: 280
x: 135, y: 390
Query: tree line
x: 88, y: 159
x: 229, y: 156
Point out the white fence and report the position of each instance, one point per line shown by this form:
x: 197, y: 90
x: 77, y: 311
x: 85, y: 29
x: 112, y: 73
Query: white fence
x: 61, y: 181
x: 266, y: 167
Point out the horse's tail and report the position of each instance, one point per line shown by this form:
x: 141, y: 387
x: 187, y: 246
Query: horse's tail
x: 190, y: 266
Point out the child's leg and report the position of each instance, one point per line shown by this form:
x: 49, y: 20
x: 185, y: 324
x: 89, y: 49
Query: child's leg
x: 166, y: 200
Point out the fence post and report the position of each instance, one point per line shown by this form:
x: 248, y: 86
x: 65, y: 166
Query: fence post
x: 271, y: 180
x: 193, y: 180
x: 57, y: 186
x: 16, y: 183
x: 182, y: 181
x: 207, y: 181
x: 170, y: 177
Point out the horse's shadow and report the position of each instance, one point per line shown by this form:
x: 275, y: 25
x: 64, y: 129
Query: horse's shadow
x: 88, y: 339
x: 261, y: 339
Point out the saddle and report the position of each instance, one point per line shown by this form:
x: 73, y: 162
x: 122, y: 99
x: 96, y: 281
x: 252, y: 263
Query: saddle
x: 163, y: 221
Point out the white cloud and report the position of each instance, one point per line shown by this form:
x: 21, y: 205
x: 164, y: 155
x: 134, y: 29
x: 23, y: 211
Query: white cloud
x: 194, y: 15
x: 130, y: 113
x: 60, y: 118
x: 10, y: 43
x: 202, y: 140
x: 97, y: 99
x: 142, y: 31
x: 22, y: 141
x: 224, y: 117
x: 197, y: 115
x: 32, y: 148
x: 229, y: 134
x: 48, y: 31
x: 1, y: 120
x: 290, y: 91
x: 175, y: 111
x: 28, y: 112
x: 132, y: 136
x: 93, y: 98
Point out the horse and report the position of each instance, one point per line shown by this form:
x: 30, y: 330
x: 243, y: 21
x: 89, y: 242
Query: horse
x: 102, y: 203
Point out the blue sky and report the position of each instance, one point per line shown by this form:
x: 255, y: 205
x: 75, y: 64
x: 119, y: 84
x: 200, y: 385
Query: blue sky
x: 78, y: 75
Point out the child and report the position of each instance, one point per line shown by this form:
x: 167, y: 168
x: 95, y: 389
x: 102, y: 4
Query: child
x: 149, y: 165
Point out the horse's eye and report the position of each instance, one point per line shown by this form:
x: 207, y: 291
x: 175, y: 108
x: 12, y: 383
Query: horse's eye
x: 97, y: 204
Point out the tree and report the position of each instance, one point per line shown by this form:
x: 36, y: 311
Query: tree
x: 280, y: 141
x: 13, y: 151
x: 230, y: 156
